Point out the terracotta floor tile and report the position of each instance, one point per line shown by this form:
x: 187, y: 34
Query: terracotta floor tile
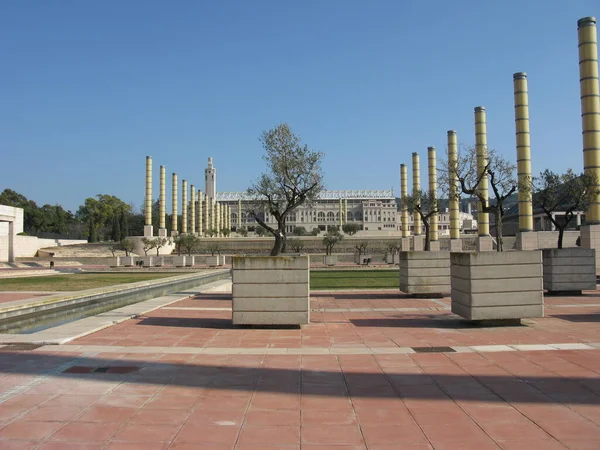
x: 171, y: 402
x: 27, y: 430
x: 87, y: 432
x: 123, y: 401
x: 390, y: 434
x: 53, y: 413
x: 160, y: 416
x: 235, y: 403
x: 582, y: 445
x: 82, y: 400
x: 545, y: 444
x: 331, y: 434
x: 200, y: 446
x: 137, y: 446
x: 512, y: 431
x: 102, y: 413
x: 272, y: 417
x: 384, y: 417
x: 331, y: 447
x: 325, y: 403
x: 62, y: 445
x: 573, y: 430
x: 136, y: 432
x: 193, y: 434
x: 456, y: 431
x: 270, y: 447
x: 320, y: 417
x: 276, y: 401
x: 216, y: 417
x: 267, y: 435
x: 19, y: 445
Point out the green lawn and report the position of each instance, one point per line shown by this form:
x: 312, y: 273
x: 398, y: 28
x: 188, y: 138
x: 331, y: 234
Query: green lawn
x: 353, y: 279
x: 76, y: 282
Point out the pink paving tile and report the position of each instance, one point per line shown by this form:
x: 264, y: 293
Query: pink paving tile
x: 136, y: 432
x: 320, y: 417
x: 257, y: 417
x: 136, y: 446
x: 86, y: 432
x: 194, y: 434
x: 331, y: 434
x: 62, y: 445
x: 216, y: 417
x: 160, y: 416
x: 27, y: 430
x: 18, y: 445
x: 53, y: 413
x: 102, y: 413
x: 390, y: 434
x: 270, y: 435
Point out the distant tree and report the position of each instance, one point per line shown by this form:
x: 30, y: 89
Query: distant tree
x: 568, y: 192
x: 315, y: 231
x: 299, y: 231
x: 127, y: 245
x: 333, y: 228
x: 261, y: 231
x: 159, y: 243
x: 147, y: 244
x: 225, y: 232
x: 214, y: 248
x: 114, y: 247
x: 243, y: 231
x: 189, y: 242
x: 212, y: 232
x: 296, y: 245
x: 350, y: 228
x: 425, y: 204
x: 361, y: 248
x: 330, y: 240
x: 293, y: 178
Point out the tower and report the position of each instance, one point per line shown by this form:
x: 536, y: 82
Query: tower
x: 210, y: 180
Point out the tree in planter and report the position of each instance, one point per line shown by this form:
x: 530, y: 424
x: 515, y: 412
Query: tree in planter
x: 212, y: 232
x: 293, y: 178
x: 425, y: 204
x: 393, y: 248
x: 299, y: 231
x: 501, y: 178
x: 189, y: 242
x: 351, y: 228
x: 225, y: 232
x: 160, y: 242
x: 147, y: 244
x: 568, y: 192
x: 296, y: 245
x: 315, y: 231
x: 361, y: 248
x: 127, y: 245
x: 213, y: 248
x: 114, y: 247
x: 330, y: 240
x: 243, y: 232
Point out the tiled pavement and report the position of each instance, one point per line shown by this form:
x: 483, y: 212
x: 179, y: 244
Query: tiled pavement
x: 169, y: 380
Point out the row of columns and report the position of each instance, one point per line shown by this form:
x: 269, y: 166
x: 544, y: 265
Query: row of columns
x: 204, y: 212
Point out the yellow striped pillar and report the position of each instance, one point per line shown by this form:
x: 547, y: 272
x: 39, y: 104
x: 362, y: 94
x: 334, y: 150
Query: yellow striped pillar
x: 453, y: 206
x: 590, y: 119
x: 218, y: 218
x: 148, y: 208
x: 174, y: 205
x: 192, y: 209
x: 416, y: 177
x: 483, y: 221
x: 162, y: 203
x: 432, y: 175
x: 184, y: 207
x: 200, y: 212
x: 403, y: 195
x: 341, y: 213
x: 239, y: 214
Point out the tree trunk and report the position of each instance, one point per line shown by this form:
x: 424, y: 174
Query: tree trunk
x: 278, y: 246
x: 427, y: 238
x: 561, y: 232
x: 499, y: 245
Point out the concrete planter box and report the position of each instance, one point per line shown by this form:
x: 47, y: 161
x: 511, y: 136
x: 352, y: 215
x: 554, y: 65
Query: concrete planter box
x: 190, y: 261
x: 159, y: 261
x: 271, y: 290
x: 425, y: 273
x: 497, y: 286
x: 569, y: 270
x: 362, y: 259
x: 148, y: 261
x: 391, y: 258
x: 125, y: 261
x: 330, y: 260
x: 179, y: 260
x: 216, y: 260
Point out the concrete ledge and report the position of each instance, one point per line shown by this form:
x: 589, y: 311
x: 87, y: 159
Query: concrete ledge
x: 424, y: 272
x: 270, y: 318
x: 498, y: 312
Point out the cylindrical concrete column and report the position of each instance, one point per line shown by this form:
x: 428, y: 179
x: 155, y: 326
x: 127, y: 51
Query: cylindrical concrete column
x: 432, y: 173
x: 403, y: 195
x: 341, y: 213
x: 483, y: 220
x: 416, y: 170
x: 239, y: 214
x: 453, y: 179
x: 192, y: 209
x: 148, y: 212
x: 218, y: 218
x: 162, y: 201
x: 174, y: 205
x: 200, y: 211
x: 184, y: 207
x: 523, y: 150
x: 590, y: 106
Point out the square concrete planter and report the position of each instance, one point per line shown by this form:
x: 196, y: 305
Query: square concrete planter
x: 216, y: 260
x: 125, y: 261
x: 362, y: 259
x: 569, y: 270
x: 179, y: 260
x: 190, y: 261
x: 425, y: 273
x: 391, y: 258
x: 148, y: 261
x: 271, y: 290
x: 330, y: 260
x: 158, y: 261
x: 497, y: 285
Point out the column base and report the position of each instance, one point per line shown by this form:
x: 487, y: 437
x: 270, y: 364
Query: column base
x: 456, y: 245
x: 527, y: 240
x: 405, y: 243
x: 418, y: 243
x: 485, y: 244
x: 174, y: 233
x: 162, y: 232
x: 434, y: 246
x: 590, y: 238
x: 148, y: 231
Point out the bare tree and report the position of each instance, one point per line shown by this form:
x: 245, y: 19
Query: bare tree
x: 296, y: 245
x: 147, y: 244
x: 425, y: 204
x: 293, y: 178
x: 500, y: 174
x: 331, y: 239
x: 568, y: 192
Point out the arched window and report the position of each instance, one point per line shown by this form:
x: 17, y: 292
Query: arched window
x: 358, y: 215
x: 337, y: 216
x: 233, y: 217
x: 321, y: 216
x: 330, y: 217
x: 349, y: 216
x: 244, y: 217
x: 292, y: 217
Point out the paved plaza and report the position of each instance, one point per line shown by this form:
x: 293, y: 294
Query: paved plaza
x: 360, y: 376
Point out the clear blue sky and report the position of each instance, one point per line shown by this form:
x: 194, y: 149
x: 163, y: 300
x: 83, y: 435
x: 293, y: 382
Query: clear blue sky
x: 88, y: 89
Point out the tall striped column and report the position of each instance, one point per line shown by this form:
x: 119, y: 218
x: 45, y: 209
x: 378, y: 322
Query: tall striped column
x: 453, y: 179
x: 174, y: 205
x: 218, y: 218
x: 200, y: 211
x: 483, y: 221
x: 341, y: 213
x: 162, y: 203
x: 184, y: 207
x: 192, y: 209
x: 590, y: 106
x: 416, y: 177
x: 403, y: 195
x: 432, y: 174
x: 239, y: 214
x: 148, y: 207
x: 523, y: 150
